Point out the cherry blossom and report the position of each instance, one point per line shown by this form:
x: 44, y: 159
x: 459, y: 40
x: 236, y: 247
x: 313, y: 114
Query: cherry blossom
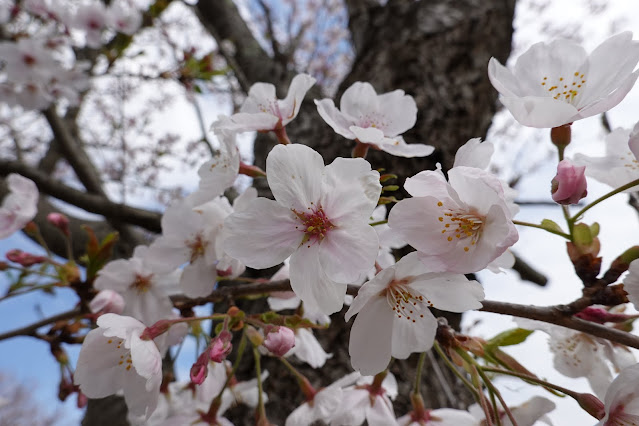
x: 394, y: 318
x: 91, y: 18
x: 194, y: 236
x: 366, y: 402
x: 319, y: 218
x: 374, y: 119
x: 145, y: 290
x: 578, y: 354
x: 622, y: 399
x: 262, y: 111
x: 620, y: 164
x: 114, y: 358
x: 457, y: 226
x: 186, y: 404
x: 20, y: 206
x: 323, y: 404
x: 569, y: 185
x: 557, y: 83
x: 122, y: 17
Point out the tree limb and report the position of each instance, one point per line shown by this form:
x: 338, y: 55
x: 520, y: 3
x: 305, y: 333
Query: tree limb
x: 30, y: 330
x: 93, y: 203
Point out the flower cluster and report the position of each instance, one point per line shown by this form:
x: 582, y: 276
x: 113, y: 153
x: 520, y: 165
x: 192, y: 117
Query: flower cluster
x: 329, y: 228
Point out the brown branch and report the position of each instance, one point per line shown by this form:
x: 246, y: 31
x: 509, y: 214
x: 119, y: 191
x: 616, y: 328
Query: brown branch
x: 93, y: 203
x: 556, y: 315
x: 250, y: 63
x: 30, y: 330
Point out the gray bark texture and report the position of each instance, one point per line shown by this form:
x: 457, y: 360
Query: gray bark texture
x: 437, y: 51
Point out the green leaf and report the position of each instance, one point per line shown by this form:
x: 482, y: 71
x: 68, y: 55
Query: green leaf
x: 551, y: 225
x: 511, y: 337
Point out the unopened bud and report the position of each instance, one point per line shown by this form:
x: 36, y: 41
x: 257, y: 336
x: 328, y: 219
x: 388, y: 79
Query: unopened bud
x: 60, y: 221
x: 200, y: 369
x: 107, y: 302
x: 569, y: 185
x: 279, y: 340
x: 591, y: 404
x: 82, y: 400
x: 157, y: 329
x: 600, y: 315
x: 220, y: 347
x: 24, y: 259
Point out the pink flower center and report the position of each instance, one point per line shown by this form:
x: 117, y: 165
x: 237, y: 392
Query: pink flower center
x: 618, y: 417
x: 405, y: 302
x: 565, y: 88
x: 461, y: 226
x: 314, y: 223
x: 142, y: 283
x: 28, y: 60
x: 197, y: 246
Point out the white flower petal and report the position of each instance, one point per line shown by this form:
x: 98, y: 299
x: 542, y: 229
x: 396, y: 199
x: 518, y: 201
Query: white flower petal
x: 350, y: 190
x: 346, y: 253
x: 290, y: 106
x: 310, y: 283
x: 398, y: 147
x: 371, y: 337
x: 263, y: 234
x: 333, y: 117
x: 294, y: 174
x: 413, y: 335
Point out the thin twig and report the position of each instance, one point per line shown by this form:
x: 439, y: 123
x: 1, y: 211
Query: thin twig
x: 30, y: 330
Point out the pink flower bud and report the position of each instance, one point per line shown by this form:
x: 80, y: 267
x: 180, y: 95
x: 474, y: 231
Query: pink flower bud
x: 591, y: 404
x: 107, y: 301
x: 569, y: 186
x: 24, y: 259
x: 60, y: 221
x: 601, y: 316
x: 279, y: 340
x: 82, y: 400
x: 200, y: 369
x: 220, y: 347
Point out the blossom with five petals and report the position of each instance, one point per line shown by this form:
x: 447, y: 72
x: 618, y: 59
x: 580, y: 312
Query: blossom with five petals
x: 262, y: 111
x: 394, y: 318
x: 146, y: 292
x: 457, y: 226
x: 319, y: 218
x: 374, y: 119
x: 558, y: 83
x: 114, y: 357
